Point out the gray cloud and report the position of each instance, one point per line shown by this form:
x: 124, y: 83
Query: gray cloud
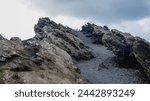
x: 97, y: 10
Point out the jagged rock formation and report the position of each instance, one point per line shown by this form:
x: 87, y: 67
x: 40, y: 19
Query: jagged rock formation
x: 141, y: 50
x: 117, y: 42
x: 49, y: 31
x: 44, y: 58
x: 50, y: 56
x: 131, y: 52
x: 35, y: 62
x: 95, y: 32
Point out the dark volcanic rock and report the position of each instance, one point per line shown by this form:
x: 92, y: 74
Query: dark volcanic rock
x: 95, y: 32
x: 116, y: 41
x: 124, y: 47
x: 131, y: 52
x: 49, y: 31
x: 141, y: 51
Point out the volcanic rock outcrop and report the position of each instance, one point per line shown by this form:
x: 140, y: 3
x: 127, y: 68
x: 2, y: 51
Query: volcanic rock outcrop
x: 51, y: 56
x: 63, y: 37
x: 131, y: 52
x: 44, y: 58
x: 95, y: 32
x: 35, y: 62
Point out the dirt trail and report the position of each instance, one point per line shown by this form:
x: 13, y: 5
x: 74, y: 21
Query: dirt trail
x: 103, y: 69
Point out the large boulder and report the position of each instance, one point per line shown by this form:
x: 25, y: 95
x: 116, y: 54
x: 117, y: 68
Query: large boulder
x: 61, y: 36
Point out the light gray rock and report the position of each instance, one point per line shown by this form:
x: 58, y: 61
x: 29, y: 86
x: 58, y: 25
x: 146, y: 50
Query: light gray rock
x: 62, y: 37
x: 39, y: 60
x: 35, y: 61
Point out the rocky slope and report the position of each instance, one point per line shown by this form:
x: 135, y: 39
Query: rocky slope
x: 56, y: 54
x: 104, y: 69
x: 63, y: 37
x: 131, y: 52
x: 44, y: 58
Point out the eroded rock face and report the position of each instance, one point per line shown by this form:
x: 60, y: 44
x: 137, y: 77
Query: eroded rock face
x: 131, y: 52
x: 57, y: 34
x: 141, y: 50
x: 47, y: 58
x: 44, y: 58
x: 116, y: 42
x: 33, y: 61
x: 95, y: 32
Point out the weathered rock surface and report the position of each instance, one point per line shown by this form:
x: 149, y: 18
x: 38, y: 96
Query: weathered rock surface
x: 104, y: 69
x: 63, y: 37
x: 116, y: 42
x: 131, y: 52
x: 31, y: 61
x: 95, y: 32
x: 141, y: 51
x: 44, y: 58
x: 48, y: 57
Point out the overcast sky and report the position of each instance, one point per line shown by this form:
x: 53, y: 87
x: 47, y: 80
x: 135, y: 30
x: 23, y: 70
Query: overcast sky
x: 18, y: 17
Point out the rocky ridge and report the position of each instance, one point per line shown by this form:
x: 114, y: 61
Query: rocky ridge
x: 130, y: 51
x: 44, y: 58
x: 51, y: 56
x: 63, y: 37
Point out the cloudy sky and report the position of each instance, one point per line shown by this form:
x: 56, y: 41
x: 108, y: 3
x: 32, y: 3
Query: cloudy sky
x: 18, y: 17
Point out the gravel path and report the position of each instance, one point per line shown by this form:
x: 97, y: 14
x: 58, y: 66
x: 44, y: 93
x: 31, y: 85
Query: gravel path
x: 103, y: 69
